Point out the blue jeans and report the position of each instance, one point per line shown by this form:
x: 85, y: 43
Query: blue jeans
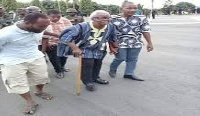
x: 130, y: 56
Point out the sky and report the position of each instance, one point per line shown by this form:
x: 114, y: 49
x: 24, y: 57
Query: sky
x: 146, y: 3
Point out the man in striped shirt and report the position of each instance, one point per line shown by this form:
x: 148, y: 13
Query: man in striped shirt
x: 57, y: 25
x: 92, y: 37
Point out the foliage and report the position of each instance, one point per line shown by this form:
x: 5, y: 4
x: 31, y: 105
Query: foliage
x: 186, y: 6
x: 86, y: 6
x: 10, y: 5
x: 38, y: 4
x: 168, y: 7
x: 63, y: 7
x: 140, y: 7
x: 48, y: 4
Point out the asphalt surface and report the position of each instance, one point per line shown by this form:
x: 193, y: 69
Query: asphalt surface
x: 171, y: 86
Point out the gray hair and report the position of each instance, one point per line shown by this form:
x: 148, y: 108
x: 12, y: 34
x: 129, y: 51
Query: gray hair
x: 96, y: 12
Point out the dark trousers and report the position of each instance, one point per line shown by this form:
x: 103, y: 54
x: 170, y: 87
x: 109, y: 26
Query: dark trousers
x: 57, y: 62
x: 90, y: 69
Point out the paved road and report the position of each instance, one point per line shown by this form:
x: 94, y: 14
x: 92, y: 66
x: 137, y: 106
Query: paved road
x: 171, y: 71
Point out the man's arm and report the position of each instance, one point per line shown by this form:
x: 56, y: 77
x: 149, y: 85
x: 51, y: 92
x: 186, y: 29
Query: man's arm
x: 75, y: 48
x: 147, y: 36
x: 3, y: 38
x: 51, y: 34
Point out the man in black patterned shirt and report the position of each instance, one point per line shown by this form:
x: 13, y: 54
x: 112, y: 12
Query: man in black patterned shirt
x: 130, y: 29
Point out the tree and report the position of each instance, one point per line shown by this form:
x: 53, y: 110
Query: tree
x: 86, y: 6
x: 22, y: 5
x: 48, y: 4
x: 63, y: 7
x: 186, y: 6
x: 140, y: 7
x: 10, y: 5
x: 113, y: 9
x: 38, y: 4
x: 168, y: 7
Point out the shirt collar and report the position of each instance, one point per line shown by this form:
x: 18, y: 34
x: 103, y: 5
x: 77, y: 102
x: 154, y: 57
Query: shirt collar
x: 97, y: 30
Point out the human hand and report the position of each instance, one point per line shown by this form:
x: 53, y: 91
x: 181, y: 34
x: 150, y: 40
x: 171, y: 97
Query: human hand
x: 77, y: 51
x: 149, y: 47
x: 113, y: 50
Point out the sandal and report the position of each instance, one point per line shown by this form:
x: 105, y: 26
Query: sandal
x: 31, y: 109
x: 44, y: 95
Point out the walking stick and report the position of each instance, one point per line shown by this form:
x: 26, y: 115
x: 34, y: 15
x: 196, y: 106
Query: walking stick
x: 78, y: 78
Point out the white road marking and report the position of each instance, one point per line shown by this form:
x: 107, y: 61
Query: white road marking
x: 179, y: 23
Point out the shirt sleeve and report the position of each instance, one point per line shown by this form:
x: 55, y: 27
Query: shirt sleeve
x: 71, y: 34
x: 67, y: 22
x: 113, y: 36
x: 3, y: 38
x: 145, y: 27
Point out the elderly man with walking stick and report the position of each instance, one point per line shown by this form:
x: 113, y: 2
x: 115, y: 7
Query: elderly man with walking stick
x: 92, y: 38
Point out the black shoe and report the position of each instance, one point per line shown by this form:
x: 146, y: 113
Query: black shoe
x: 101, y: 81
x: 112, y: 73
x: 60, y: 75
x: 90, y: 87
x: 133, y: 77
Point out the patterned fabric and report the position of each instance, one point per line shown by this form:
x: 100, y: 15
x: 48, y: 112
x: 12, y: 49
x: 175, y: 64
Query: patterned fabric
x: 57, y: 28
x: 129, y: 31
x: 92, y: 41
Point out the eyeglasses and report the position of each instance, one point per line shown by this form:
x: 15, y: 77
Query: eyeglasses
x: 103, y: 18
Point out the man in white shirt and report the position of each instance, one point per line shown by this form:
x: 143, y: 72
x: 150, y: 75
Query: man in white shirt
x: 22, y: 64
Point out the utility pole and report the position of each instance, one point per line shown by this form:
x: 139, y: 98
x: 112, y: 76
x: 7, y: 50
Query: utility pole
x: 59, y: 6
x: 74, y: 3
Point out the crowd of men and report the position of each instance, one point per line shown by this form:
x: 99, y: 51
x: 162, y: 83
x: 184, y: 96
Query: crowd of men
x: 33, y: 34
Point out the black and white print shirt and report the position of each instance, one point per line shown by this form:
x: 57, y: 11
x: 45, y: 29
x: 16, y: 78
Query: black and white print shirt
x: 129, y: 31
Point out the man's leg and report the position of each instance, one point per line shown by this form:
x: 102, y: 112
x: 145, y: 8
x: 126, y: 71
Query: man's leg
x: 28, y: 98
x: 15, y: 80
x: 119, y: 58
x: 40, y: 92
x: 132, y: 58
x: 55, y: 61
x: 96, y: 71
x: 38, y: 76
x: 63, y: 61
x: 87, y: 70
x: 87, y: 73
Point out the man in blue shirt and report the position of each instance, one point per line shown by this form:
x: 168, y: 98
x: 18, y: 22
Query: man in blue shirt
x: 92, y: 37
x: 22, y: 64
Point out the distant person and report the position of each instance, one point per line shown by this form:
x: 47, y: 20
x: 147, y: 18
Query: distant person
x: 180, y: 11
x: 57, y: 25
x: 147, y: 13
x: 129, y: 34
x: 71, y: 14
x: 22, y: 64
x: 92, y: 38
x: 21, y: 13
x: 5, y: 19
x: 33, y: 9
x: 154, y: 14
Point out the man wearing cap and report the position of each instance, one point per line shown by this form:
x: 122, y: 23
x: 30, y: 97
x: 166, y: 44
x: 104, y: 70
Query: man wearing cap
x: 73, y: 17
x: 5, y: 19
